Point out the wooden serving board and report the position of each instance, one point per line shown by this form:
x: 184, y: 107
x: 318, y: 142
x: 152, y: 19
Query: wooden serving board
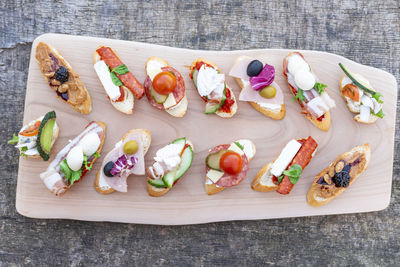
x: 187, y: 202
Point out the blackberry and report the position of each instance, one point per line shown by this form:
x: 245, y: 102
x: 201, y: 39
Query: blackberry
x: 341, y: 179
x: 62, y: 74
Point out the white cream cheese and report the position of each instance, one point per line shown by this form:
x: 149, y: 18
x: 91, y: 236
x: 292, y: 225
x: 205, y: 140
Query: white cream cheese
x: 103, y: 72
x: 273, y: 107
x: 285, y: 157
x: 209, y: 80
x: 169, y: 155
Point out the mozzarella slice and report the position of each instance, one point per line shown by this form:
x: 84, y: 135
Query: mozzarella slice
x: 304, y: 79
x: 103, y: 72
x: 286, y: 156
x: 90, y: 143
x: 75, y: 158
x: 214, y: 175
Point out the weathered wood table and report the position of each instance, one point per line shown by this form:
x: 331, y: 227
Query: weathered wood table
x: 364, y: 31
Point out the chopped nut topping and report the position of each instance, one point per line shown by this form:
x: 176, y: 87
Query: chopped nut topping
x: 339, y: 166
x: 55, y: 82
x: 63, y: 88
x: 327, y: 179
x: 331, y: 171
x: 49, y: 74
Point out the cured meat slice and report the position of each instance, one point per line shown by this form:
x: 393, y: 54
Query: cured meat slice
x: 249, y: 94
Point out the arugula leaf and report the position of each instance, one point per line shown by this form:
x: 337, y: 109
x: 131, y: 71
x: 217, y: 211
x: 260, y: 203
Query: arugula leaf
x: 115, y: 79
x: 24, y: 148
x: 280, y: 178
x: 377, y: 96
x: 89, y: 165
x: 299, y: 96
x: 294, y: 173
x: 64, y: 168
x: 239, y: 145
x: 379, y: 114
x: 320, y: 87
x: 14, y: 140
x: 96, y: 154
x: 122, y: 69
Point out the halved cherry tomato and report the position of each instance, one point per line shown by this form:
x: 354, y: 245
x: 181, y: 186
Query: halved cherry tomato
x: 31, y: 130
x: 164, y: 83
x: 351, y: 91
x: 231, y: 162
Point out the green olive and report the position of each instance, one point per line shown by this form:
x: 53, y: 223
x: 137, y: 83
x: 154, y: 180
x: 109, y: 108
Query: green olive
x: 131, y: 147
x: 268, y: 92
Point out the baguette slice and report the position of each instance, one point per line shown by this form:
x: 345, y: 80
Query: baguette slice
x: 125, y: 106
x: 234, y: 107
x: 273, y: 114
x: 80, y: 101
x: 320, y: 194
x: 179, y: 110
x: 157, y: 191
x: 212, y: 188
x: 263, y: 180
x: 100, y: 184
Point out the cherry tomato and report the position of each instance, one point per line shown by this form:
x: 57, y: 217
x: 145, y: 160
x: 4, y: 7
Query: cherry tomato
x: 31, y: 130
x: 231, y: 162
x: 164, y: 83
x: 351, y: 91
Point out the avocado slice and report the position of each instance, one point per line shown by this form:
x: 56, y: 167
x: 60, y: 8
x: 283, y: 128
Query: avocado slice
x: 45, y: 135
x: 359, y: 83
x: 212, y: 160
x: 159, y: 98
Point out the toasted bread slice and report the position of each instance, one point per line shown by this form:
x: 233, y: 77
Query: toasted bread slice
x: 179, y: 110
x: 158, y: 191
x: 234, y: 107
x: 99, y: 184
x: 263, y: 180
x: 79, y: 100
x: 212, y: 188
x: 125, y: 106
x: 323, y: 189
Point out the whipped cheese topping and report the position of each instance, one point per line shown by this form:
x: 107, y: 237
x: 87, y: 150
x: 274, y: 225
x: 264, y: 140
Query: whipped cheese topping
x: 209, y: 80
x: 166, y: 159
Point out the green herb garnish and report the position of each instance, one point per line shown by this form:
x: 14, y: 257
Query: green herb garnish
x: 299, y: 96
x: 120, y: 69
x: 70, y: 175
x: 239, y: 145
x: 280, y: 178
x: 89, y: 165
x: 14, y: 140
x: 376, y: 96
x: 320, y: 87
x: 379, y: 114
x: 294, y: 173
x: 115, y: 79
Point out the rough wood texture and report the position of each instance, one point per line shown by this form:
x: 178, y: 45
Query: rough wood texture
x: 364, y: 31
x: 188, y: 203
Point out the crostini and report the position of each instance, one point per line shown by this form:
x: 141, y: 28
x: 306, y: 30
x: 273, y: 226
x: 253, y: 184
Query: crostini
x: 360, y: 97
x: 308, y: 91
x: 170, y: 164
x: 60, y: 76
x: 36, y: 138
x: 339, y: 175
x: 210, y: 84
x: 75, y: 159
x: 126, y: 158
x: 227, y: 165
x: 283, y: 173
x: 118, y: 82
x: 258, y: 86
x: 165, y: 88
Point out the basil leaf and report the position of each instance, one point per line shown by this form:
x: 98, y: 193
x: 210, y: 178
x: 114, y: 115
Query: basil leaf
x: 379, y: 114
x: 120, y: 69
x: 14, y: 140
x: 115, y: 79
x: 320, y: 87
x: 239, y: 145
x: 64, y: 168
x: 280, y: 178
x: 294, y: 173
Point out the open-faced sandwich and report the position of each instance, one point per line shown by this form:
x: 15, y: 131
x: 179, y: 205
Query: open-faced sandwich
x: 118, y: 82
x: 62, y: 78
x: 339, y: 175
x: 258, y: 86
x: 126, y: 158
x: 211, y: 85
x: 308, y: 91
x: 165, y: 88
x: 361, y: 98
x: 36, y: 138
x: 170, y: 164
x: 283, y: 173
x: 75, y: 159
x: 227, y: 165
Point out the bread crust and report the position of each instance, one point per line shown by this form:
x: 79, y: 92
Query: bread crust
x: 146, y: 140
x: 257, y: 184
x: 86, y: 106
x: 317, y: 196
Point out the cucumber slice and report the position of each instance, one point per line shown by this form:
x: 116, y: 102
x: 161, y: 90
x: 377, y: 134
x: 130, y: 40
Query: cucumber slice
x: 45, y: 135
x: 159, y: 183
x: 173, y: 176
x: 194, y: 75
x: 181, y: 140
x: 212, y: 160
x: 159, y: 98
x: 367, y: 88
x: 211, y: 108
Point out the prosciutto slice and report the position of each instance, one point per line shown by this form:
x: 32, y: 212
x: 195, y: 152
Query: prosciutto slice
x: 249, y: 94
x: 118, y: 182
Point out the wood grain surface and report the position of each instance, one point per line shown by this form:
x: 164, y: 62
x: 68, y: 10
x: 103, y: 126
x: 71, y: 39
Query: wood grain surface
x: 187, y: 202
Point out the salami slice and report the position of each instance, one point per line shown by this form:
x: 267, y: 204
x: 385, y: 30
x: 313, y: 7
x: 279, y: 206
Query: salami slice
x: 179, y: 91
x: 112, y: 60
x: 228, y: 180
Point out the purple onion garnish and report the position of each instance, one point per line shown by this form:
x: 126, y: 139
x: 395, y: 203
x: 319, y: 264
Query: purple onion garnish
x: 264, y: 78
x: 123, y: 163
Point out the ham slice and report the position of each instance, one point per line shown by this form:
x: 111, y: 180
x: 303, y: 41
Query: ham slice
x: 239, y: 70
x: 248, y: 94
x: 118, y: 182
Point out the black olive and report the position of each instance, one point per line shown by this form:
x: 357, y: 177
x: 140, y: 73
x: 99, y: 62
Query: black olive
x: 62, y: 74
x: 254, y: 68
x: 107, y: 168
x: 341, y: 179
